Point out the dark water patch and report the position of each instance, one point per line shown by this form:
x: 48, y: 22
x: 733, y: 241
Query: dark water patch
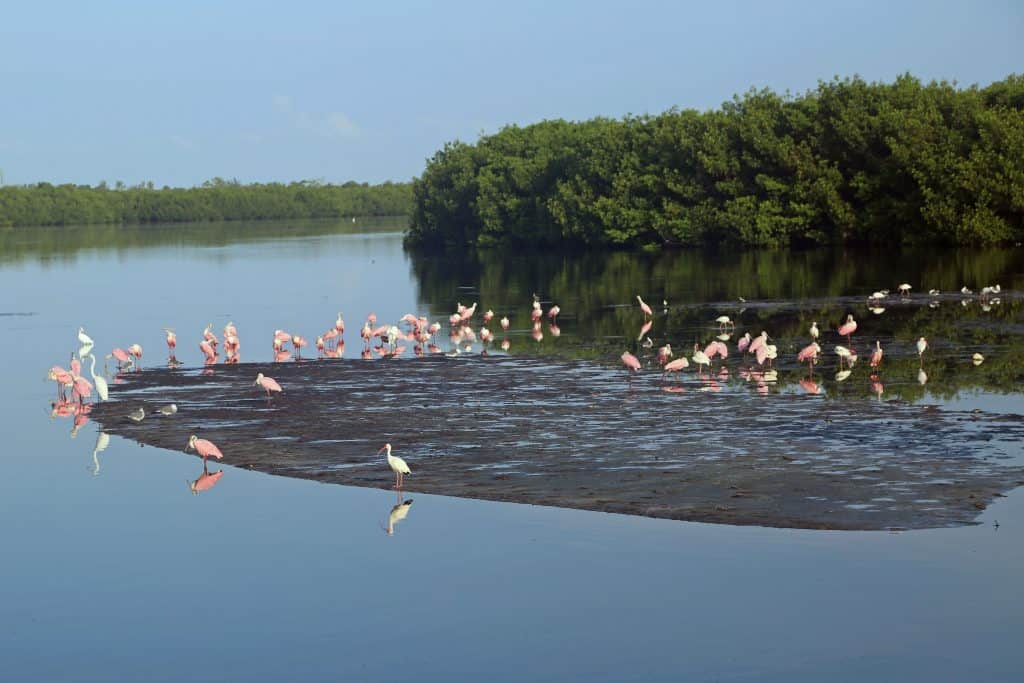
x: 581, y: 435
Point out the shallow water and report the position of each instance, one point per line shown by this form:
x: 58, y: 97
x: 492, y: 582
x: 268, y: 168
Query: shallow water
x: 122, y: 574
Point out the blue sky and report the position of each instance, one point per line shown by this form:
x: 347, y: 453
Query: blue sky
x: 181, y: 92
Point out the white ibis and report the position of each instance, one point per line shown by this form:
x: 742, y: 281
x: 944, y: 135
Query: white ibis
x: 397, y: 465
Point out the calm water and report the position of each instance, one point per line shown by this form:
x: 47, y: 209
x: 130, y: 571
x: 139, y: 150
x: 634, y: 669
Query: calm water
x: 122, y: 574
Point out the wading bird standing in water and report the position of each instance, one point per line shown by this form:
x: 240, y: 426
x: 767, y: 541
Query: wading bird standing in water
x: 876, y: 356
x: 204, y: 448
x: 644, y: 307
x: 268, y: 384
x: 922, y: 345
x: 848, y: 328
x: 396, y: 464
x: 631, y: 362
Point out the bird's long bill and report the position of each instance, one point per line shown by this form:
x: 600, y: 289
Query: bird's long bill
x: 381, y: 450
x: 188, y: 446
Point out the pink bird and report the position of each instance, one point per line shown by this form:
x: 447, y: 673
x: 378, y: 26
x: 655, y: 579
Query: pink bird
x: 298, y: 342
x: 488, y: 316
x: 677, y: 365
x: 744, y: 343
x: 230, y: 330
x: 664, y: 353
x: 204, y: 448
x: 711, y: 350
x: 504, y: 323
x: 208, y: 350
x: 268, y: 384
x: 121, y: 356
x: 536, y: 314
x: 339, y: 325
x: 644, y: 307
x: 468, y: 313
x: 553, y: 312
x: 81, y: 389
x: 723, y: 350
x: 631, y: 362
x: 761, y: 354
x: 136, y: 351
x: 209, y: 336
x: 76, y: 366
x: 758, y: 342
x: 848, y: 328
x: 876, y: 356
x: 809, y: 354
x: 206, y: 480
x: 63, y: 379
x: 172, y: 340
x: 644, y: 329
x: 282, y: 336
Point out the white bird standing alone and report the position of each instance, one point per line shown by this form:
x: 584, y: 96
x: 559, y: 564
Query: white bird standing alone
x: 922, y: 344
x: 397, y: 465
x: 99, y: 380
x: 814, y: 331
x: 83, y: 338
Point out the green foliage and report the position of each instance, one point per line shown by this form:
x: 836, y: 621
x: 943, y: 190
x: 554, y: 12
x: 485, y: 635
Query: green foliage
x: 847, y: 162
x: 215, y: 200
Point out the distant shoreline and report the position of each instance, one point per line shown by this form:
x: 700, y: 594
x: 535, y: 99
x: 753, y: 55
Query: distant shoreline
x: 216, y: 200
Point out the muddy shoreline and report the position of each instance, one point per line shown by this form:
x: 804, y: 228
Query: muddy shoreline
x: 579, y: 435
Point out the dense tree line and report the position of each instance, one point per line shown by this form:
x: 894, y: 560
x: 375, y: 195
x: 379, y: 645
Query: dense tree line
x: 215, y: 200
x: 850, y: 161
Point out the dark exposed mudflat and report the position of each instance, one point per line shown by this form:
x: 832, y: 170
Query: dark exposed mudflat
x: 579, y: 435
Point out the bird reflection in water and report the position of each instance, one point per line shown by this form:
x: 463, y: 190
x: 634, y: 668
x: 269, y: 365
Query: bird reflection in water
x: 206, y: 480
x: 399, y: 512
x: 102, y: 441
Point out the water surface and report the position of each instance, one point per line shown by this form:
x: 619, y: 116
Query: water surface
x: 118, y: 572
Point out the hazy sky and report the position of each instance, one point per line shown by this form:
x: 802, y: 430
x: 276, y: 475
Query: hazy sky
x: 180, y: 92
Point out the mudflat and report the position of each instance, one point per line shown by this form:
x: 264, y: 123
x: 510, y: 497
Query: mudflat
x: 579, y: 434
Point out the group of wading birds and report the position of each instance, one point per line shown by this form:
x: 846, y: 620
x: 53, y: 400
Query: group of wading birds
x: 73, y: 388
x: 765, y: 353
x: 422, y: 333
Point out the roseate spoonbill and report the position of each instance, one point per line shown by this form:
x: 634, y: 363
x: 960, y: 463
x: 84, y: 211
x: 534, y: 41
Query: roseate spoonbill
x: 398, y: 513
x: 758, y: 342
x: 504, y: 323
x: 167, y: 410
x: 137, y: 415
x: 454, y: 319
x: 536, y: 314
x: 397, y: 465
x: 172, y: 340
x: 298, y: 342
x: 810, y: 386
x: 320, y: 345
x: 922, y: 345
x: 809, y: 354
x: 121, y: 356
x: 63, y: 379
x: 644, y: 307
x: 468, y: 313
x: 209, y: 353
x: 664, y: 353
x: 230, y: 330
x: 339, y: 324
x: 676, y: 365
x: 814, y: 330
x: 488, y: 315
x: 977, y: 359
x: 282, y: 337
x: 209, y: 336
x: 83, y: 338
x: 553, y: 313
x: 99, y: 380
x: 268, y: 384
x: 204, y: 448
x: 743, y: 345
x: 848, y: 328
x: 700, y: 358
x: 631, y: 362
x: 644, y: 329
x: 136, y: 352
x: 876, y: 355
x: 904, y: 289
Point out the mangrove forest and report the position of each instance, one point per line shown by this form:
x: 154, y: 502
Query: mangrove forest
x: 848, y: 162
x: 214, y: 200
